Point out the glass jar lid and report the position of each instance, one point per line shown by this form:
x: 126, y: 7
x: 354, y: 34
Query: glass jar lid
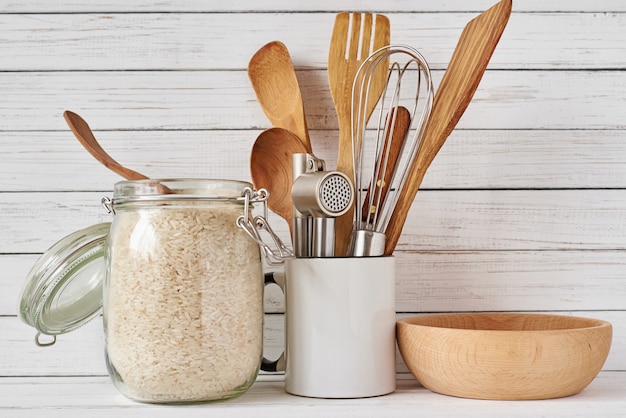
x: 63, y: 290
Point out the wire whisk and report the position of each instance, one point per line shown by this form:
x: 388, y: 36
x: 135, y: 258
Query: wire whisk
x: 384, y: 147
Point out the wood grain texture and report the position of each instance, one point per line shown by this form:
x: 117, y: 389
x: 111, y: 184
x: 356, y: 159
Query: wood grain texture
x: 457, y: 281
x: 439, y: 220
x: 274, y: 81
x: 467, y: 66
x: 201, y: 41
x: 470, y: 159
x: 65, y: 6
x: 200, y: 100
x: 81, y: 352
x: 504, y: 356
x: 395, y: 128
x: 271, y: 168
x: 95, y: 396
x: 85, y: 136
x: 355, y: 36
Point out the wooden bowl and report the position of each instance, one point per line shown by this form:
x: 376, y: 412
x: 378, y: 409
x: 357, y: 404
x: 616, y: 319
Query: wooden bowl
x: 504, y: 356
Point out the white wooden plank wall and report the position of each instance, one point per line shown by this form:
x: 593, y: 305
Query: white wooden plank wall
x: 523, y: 210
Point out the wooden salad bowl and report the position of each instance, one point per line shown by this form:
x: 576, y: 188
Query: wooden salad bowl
x: 505, y: 356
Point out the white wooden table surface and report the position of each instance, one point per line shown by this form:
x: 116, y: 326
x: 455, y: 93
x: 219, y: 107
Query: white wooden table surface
x: 74, y: 397
x: 524, y: 209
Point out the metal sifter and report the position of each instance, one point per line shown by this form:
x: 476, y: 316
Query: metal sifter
x: 384, y: 147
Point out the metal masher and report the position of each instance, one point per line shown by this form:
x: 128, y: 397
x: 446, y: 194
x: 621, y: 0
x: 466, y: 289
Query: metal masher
x: 384, y: 147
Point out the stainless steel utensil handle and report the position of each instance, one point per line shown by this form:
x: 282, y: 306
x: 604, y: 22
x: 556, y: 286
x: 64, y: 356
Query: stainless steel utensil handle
x: 302, y: 229
x: 365, y: 243
x: 323, y: 237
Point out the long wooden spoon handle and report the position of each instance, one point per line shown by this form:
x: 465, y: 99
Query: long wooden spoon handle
x: 397, y: 124
x: 83, y: 133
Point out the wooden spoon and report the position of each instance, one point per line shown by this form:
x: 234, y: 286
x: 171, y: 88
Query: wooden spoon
x: 85, y: 136
x: 274, y: 81
x: 270, y: 167
x: 350, y: 45
x: 467, y: 66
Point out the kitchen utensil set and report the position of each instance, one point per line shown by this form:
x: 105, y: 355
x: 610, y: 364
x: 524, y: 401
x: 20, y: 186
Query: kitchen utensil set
x: 307, y: 196
x: 380, y: 163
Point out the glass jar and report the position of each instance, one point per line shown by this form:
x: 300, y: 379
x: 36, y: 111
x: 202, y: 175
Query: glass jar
x: 182, y: 296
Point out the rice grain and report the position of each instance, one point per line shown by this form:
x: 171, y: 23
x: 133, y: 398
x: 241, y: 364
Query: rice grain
x: 183, y: 304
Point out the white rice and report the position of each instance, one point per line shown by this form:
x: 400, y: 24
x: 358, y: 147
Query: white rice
x: 184, y: 309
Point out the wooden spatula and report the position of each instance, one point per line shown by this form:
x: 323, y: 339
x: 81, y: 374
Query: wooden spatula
x: 273, y: 78
x: 465, y: 70
x: 355, y: 36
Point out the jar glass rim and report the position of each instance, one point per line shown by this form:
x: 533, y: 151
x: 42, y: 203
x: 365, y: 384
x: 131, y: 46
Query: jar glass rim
x: 179, y: 189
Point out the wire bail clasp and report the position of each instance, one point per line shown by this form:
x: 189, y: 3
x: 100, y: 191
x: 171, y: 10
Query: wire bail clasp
x: 255, y: 225
x: 107, y: 204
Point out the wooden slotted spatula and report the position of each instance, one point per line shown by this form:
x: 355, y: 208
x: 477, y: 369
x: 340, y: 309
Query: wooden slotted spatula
x: 467, y: 66
x: 355, y: 36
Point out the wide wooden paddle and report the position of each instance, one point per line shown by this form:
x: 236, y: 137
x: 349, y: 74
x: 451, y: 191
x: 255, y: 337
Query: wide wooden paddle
x: 465, y: 70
